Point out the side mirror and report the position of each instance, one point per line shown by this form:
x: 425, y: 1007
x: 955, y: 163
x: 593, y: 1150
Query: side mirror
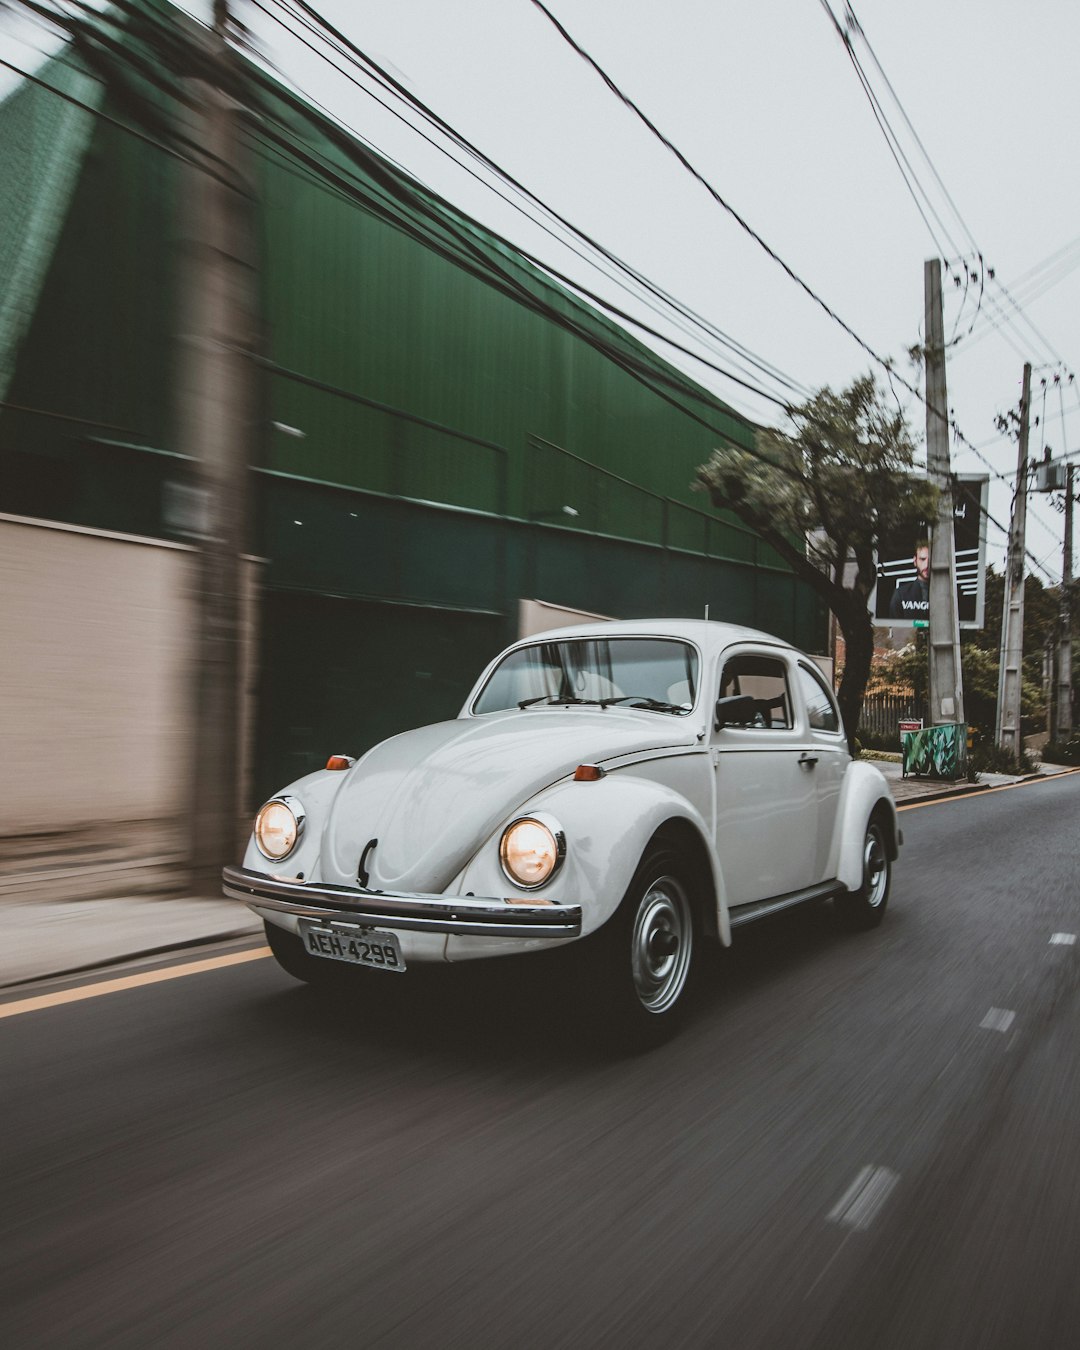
x: 736, y: 710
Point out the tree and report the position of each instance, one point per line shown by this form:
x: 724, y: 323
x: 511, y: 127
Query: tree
x: 821, y: 495
x: 1041, y: 610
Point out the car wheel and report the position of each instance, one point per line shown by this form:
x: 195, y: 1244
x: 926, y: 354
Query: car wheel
x: 648, y: 954
x: 865, y: 908
x: 289, y: 953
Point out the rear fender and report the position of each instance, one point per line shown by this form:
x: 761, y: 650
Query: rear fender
x: 864, y: 794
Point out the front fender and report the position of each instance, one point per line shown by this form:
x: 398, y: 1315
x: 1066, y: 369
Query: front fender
x: 608, y: 825
x: 865, y: 792
x: 316, y: 791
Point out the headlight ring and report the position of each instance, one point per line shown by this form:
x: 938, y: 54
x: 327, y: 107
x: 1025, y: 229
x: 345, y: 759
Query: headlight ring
x: 279, y: 827
x: 531, y: 850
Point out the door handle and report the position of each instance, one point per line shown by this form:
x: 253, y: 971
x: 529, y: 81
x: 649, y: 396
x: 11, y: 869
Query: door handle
x: 808, y: 760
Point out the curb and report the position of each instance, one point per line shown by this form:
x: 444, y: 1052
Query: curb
x: 968, y: 788
x: 144, y: 953
x: 966, y: 791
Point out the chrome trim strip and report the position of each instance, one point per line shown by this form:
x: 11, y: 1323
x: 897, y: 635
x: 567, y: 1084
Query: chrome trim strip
x: 392, y: 909
x: 761, y: 909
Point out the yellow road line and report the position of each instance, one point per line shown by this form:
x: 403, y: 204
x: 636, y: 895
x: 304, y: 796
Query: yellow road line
x: 39, y: 1001
x: 1002, y: 787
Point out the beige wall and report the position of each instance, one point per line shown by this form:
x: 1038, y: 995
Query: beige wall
x: 538, y: 616
x: 95, y: 652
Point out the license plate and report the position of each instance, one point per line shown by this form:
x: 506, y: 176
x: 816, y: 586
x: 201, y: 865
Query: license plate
x: 358, y: 946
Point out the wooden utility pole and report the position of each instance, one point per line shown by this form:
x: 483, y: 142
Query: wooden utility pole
x: 946, y: 677
x: 217, y: 418
x: 1011, y: 667
x: 1063, y: 701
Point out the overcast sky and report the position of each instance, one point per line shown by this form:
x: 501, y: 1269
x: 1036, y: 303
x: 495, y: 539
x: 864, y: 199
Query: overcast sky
x: 763, y: 100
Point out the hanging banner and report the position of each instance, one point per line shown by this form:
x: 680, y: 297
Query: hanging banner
x: 901, y: 599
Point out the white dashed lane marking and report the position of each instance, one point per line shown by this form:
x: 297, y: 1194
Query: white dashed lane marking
x: 1062, y: 939
x: 859, y: 1205
x: 998, y: 1019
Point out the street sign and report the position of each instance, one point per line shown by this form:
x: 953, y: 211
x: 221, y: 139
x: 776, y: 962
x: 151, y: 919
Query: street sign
x: 909, y: 724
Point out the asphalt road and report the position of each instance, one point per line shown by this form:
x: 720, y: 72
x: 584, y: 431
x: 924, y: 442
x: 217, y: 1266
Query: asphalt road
x: 864, y: 1141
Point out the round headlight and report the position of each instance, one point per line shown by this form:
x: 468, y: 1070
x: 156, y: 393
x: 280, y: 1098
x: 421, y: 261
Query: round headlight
x: 278, y: 827
x: 531, y: 851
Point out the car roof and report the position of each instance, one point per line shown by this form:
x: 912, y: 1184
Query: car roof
x: 709, y: 635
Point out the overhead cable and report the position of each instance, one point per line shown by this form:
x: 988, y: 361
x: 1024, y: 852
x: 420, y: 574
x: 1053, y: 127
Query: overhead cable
x: 315, y: 23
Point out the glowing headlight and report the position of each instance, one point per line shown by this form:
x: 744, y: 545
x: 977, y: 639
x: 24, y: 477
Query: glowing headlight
x: 531, y: 850
x: 278, y: 827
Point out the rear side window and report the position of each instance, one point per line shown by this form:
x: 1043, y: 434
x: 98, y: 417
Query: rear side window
x: 820, y: 704
x: 764, y: 678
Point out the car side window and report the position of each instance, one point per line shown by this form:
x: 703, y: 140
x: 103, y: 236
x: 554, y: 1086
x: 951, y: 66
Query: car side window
x: 764, y: 678
x: 820, y: 705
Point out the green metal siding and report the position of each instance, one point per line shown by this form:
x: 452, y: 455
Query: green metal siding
x: 354, y: 303
x: 465, y: 400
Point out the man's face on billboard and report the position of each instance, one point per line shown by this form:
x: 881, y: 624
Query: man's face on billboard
x: 922, y: 561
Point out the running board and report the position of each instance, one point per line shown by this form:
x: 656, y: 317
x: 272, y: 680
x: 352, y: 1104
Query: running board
x: 761, y: 909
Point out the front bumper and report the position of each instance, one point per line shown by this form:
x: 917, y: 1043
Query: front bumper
x: 392, y: 909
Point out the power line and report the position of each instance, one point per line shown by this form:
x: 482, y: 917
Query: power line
x: 115, y: 122
x: 398, y: 195
x: 907, y: 172
x: 480, y: 264
x: 624, y: 98
x: 846, y: 33
x: 716, y: 196
x: 854, y: 25
x: 152, y: 22
x: 911, y: 128
x: 344, y: 48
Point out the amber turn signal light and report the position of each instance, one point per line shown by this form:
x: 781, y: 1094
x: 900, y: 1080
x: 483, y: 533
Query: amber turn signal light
x: 340, y: 762
x: 588, y: 773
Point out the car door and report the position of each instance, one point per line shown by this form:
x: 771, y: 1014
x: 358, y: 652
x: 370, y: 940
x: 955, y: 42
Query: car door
x: 824, y: 739
x: 766, y: 792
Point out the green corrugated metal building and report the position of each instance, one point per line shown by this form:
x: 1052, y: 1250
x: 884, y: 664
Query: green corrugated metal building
x: 452, y: 400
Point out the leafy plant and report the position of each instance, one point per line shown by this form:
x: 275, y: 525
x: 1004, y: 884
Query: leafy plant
x: 990, y: 758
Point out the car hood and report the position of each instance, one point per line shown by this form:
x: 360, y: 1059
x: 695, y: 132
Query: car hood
x: 432, y: 796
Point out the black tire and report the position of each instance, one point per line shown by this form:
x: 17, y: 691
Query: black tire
x: 865, y: 908
x: 646, y: 953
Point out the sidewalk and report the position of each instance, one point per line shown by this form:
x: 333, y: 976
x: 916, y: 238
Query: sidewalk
x: 45, y: 934
x: 914, y: 788
x: 43, y: 938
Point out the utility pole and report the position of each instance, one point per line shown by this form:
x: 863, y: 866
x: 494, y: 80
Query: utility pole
x: 1010, y: 670
x: 946, y: 676
x: 216, y: 422
x: 1063, y: 702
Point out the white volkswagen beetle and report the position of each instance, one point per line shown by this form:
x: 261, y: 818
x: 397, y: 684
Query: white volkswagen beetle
x: 627, y: 789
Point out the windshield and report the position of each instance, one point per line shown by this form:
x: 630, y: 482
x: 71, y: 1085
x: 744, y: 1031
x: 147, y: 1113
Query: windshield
x: 655, y: 673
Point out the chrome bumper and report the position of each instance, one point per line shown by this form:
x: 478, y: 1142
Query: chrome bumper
x: 391, y: 909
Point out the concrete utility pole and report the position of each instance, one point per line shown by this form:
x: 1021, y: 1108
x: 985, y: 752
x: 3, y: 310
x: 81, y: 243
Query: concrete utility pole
x: 217, y: 417
x: 1010, y: 670
x: 946, y: 676
x: 1063, y: 701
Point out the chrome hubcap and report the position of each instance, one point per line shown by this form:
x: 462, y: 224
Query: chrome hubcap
x: 875, y: 867
x: 661, y: 945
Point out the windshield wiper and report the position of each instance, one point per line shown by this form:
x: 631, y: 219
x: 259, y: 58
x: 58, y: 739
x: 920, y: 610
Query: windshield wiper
x: 554, y: 701
x: 643, y: 701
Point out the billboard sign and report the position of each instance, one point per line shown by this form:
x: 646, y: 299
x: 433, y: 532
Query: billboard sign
x: 901, y: 599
